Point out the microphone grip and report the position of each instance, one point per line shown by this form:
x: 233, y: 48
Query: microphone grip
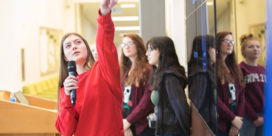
x: 73, y: 97
x: 73, y: 92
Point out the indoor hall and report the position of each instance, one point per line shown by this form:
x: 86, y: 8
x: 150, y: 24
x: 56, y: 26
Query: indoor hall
x: 31, y: 32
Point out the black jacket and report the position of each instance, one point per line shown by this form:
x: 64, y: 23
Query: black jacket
x: 202, y: 93
x: 173, y: 110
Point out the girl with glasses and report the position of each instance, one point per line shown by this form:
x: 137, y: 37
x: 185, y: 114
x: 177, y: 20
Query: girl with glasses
x: 135, y: 74
x: 230, y: 92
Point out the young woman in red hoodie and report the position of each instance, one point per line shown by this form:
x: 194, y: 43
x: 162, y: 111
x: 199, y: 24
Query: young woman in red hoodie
x: 98, y: 107
x: 254, y: 78
x: 230, y: 92
x: 135, y: 72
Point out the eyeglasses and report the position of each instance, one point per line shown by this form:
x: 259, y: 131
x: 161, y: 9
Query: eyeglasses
x: 126, y: 44
x: 229, y: 42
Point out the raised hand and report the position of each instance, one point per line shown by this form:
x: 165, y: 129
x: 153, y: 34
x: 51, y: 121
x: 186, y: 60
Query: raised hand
x: 107, y: 5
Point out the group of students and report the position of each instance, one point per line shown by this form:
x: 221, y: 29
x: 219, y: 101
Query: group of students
x: 231, y: 100
x: 117, y: 99
x: 240, y: 88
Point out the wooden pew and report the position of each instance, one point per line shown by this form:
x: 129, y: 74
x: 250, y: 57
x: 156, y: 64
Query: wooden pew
x: 36, y: 119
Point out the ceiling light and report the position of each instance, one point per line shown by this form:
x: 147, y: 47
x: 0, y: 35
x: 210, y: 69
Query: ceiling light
x: 125, y: 18
x: 127, y: 28
x: 127, y: 5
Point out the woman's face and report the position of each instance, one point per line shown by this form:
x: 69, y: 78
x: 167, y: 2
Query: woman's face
x: 212, y: 55
x: 227, y: 45
x: 94, y: 52
x: 129, y: 48
x: 153, y: 56
x: 74, y: 49
x: 252, y: 50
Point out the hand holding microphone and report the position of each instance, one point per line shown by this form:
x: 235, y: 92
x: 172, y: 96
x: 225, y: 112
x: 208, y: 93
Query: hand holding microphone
x: 70, y: 83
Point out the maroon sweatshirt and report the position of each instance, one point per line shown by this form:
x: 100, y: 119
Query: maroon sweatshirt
x: 224, y: 111
x: 141, y: 105
x: 254, y: 77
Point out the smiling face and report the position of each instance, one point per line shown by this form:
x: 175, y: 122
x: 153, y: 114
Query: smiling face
x: 74, y: 49
x: 252, y: 50
x: 227, y: 45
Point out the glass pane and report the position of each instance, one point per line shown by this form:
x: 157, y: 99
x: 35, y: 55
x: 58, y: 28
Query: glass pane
x: 201, y: 70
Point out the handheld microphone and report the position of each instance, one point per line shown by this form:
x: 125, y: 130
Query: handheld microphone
x: 72, y: 72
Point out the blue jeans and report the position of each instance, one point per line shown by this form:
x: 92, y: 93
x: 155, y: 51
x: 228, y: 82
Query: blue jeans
x: 248, y: 129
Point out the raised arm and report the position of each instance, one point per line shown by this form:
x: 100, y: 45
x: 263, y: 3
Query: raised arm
x: 107, y: 53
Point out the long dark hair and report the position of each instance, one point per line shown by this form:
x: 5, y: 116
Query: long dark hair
x: 63, y: 63
x: 230, y: 64
x: 138, y: 72
x: 200, y: 52
x: 167, y: 58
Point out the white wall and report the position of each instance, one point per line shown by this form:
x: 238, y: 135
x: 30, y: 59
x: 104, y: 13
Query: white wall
x: 9, y: 52
x: 175, y: 27
x: 19, y: 25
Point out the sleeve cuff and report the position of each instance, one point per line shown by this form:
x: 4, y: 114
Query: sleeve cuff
x: 103, y: 16
x: 105, y: 21
x: 130, y: 119
x: 229, y: 117
x: 252, y: 117
x: 67, y: 101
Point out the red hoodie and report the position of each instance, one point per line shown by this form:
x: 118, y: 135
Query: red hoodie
x: 99, y: 97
